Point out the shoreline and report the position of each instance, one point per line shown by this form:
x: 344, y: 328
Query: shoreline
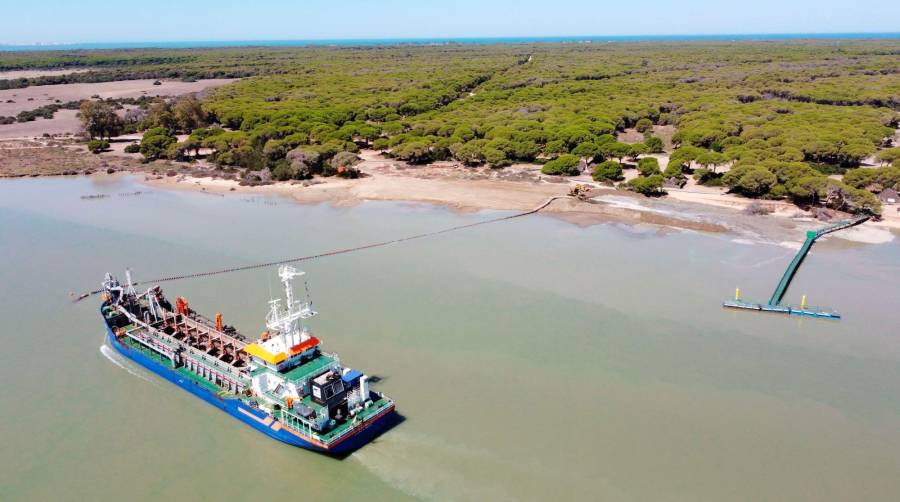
x: 458, y: 196
x: 519, y: 187
x: 512, y: 189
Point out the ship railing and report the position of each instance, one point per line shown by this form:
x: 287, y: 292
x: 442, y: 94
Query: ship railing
x: 238, y: 377
x: 362, y: 420
x: 780, y: 306
x: 216, y: 364
x: 139, y: 336
x: 191, y: 321
x: 141, y: 332
x: 810, y: 308
x: 197, y: 353
x: 298, y: 423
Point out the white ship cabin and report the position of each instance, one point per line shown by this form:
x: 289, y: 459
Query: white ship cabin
x: 282, y: 353
x: 288, y: 344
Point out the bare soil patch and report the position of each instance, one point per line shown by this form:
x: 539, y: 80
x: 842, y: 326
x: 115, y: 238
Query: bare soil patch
x: 66, y: 121
x: 14, y: 74
x: 33, y: 97
x: 664, y: 132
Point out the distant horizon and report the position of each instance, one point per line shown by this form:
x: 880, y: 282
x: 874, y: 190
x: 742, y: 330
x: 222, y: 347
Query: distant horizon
x: 94, y: 22
x: 290, y: 42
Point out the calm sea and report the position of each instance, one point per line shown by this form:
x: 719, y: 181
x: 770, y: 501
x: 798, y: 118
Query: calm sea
x: 441, y: 41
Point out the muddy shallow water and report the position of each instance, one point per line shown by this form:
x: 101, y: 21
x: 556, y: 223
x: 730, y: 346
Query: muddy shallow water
x: 532, y: 359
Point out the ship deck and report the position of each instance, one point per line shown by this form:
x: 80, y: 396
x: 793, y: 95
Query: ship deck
x: 340, y: 429
x: 152, y: 354
x: 302, y: 371
x: 309, y: 368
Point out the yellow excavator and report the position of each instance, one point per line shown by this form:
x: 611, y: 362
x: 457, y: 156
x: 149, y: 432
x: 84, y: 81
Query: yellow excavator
x: 579, y: 191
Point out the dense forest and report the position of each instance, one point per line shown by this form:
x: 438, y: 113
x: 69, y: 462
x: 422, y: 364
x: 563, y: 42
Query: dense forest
x: 766, y: 119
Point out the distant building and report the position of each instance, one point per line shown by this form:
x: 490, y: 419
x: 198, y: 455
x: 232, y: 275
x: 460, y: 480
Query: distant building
x: 889, y: 196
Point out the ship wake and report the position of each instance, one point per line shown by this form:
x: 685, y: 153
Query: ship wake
x: 114, y: 358
x: 431, y: 469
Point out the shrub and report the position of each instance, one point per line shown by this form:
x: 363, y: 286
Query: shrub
x: 608, y: 171
x: 156, y: 142
x: 587, y: 150
x: 648, y: 166
x: 97, y: 145
x: 616, y: 150
x: 888, y: 156
x: 347, y: 172
x: 752, y: 181
x: 470, y: 153
x: 416, y: 152
x: 99, y: 119
x: 342, y: 165
x: 283, y: 171
x: 564, y: 165
x: 674, y: 170
x: 886, y: 177
x: 381, y: 144
x: 495, y: 157
x: 644, y: 125
x: 636, y: 150
x: 708, y: 178
x: 654, y: 144
x: 305, y: 161
x: 777, y: 192
x: 133, y: 148
x: 651, y: 186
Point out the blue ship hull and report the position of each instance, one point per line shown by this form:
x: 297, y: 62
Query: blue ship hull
x: 253, y: 417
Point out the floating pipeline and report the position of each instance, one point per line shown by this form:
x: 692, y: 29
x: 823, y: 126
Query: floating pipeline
x: 334, y: 253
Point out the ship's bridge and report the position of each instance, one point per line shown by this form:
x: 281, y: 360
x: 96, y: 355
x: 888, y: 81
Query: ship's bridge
x: 289, y: 342
x: 277, y: 355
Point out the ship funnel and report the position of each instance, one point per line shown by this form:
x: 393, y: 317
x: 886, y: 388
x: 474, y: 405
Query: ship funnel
x: 364, y: 387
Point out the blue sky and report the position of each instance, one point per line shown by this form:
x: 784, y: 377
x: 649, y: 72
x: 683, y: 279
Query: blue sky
x: 54, y: 21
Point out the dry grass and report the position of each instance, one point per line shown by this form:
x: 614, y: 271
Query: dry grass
x: 14, y: 74
x: 20, y: 158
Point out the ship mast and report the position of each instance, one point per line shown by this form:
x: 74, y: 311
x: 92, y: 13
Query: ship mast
x: 129, y: 284
x: 286, y: 320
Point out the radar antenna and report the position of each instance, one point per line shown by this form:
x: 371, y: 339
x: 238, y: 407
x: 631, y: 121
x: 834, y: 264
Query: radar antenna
x: 286, y: 320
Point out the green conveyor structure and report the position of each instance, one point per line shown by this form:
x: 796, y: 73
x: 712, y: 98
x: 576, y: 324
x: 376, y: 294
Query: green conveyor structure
x: 774, y: 304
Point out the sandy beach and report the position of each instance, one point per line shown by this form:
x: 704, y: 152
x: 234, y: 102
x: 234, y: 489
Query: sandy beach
x: 519, y: 187
x: 522, y: 187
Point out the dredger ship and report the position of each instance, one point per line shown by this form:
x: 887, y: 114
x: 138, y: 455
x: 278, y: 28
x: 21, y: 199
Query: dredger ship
x: 283, y: 384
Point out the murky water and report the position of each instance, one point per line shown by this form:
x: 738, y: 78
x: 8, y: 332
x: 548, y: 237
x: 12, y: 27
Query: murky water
x: 532, y: 360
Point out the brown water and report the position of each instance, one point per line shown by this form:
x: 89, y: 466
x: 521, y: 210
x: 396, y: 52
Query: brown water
x: 532, y: 359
